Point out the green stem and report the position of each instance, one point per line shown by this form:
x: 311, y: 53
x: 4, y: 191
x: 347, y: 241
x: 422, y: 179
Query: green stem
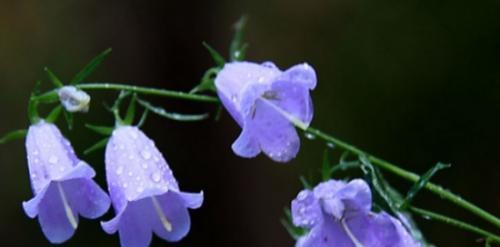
x: 141, y: 90
x: 443, y: 193
x: 460, y: 224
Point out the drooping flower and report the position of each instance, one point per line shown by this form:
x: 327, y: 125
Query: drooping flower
x: 266, y: 102
x: 144, y: 192
x: 62, y: 184
x: 339, y: 214
x: 74, y: 99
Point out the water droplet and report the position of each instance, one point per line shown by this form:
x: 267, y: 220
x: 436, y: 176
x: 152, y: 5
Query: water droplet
x: 145, y: 165
x: 35, y: 152
x: 140, y: 189
x: 134, y: 135
x: 138, y: 178
x: 125, y: 185
x: 130, y: 174
x: 131, y: 157
x: 261, y: 79
x: 155, y: 158
x: 146, y: 154
x: 302, y: 210
x: 330, y: 145
x: 53, y: 159
x: 302, y: 195
x: 62, y: 168
x: 156, y: 177
x: 119, y: 170
x: 122, y: 147
x: 33, y: 176
x: 36, y: 161
x: 310, y: 136
x: 234, y: 98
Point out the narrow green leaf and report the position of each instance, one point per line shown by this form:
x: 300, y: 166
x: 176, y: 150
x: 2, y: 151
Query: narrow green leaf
x: 69, y: 119
x: 103, y: 130
x: 47, y: 98
x: 129, y: 117
x: 305, y: 183
x: 53, y: 78
x: 54, y: 114
x: 295, y: 232
x: 216, y: 56
x: 90, y: 67
x: 143, y: 118
x: 100, y: 144
x: 172, y: 115
x: 207, y: 81
x: 326, y: 168
x: 390, y: 197
x: 237, y: 49
x: 424, y: 179
x: 13, y: 135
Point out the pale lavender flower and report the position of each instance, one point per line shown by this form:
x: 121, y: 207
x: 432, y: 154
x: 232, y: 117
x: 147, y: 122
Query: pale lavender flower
x: 61, y: 182
x: 74, y: 99
x: 266, y: 102
x: 339, y: 214
x: 144, y: 192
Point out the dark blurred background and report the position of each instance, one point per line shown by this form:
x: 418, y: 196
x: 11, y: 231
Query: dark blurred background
x: 414, y: 82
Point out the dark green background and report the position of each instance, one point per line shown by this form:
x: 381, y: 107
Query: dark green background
x: 414, y: 82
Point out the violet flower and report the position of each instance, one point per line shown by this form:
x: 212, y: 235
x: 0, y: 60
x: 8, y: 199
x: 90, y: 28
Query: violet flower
x: 266, y: 102
x: 339, y: 214
x: 61, y: 182
x: 144, y: 192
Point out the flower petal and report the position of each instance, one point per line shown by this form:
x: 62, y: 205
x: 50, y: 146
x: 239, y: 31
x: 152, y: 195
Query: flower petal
x: 277, y: 136
x: 300, y: 73
x: 191, y: 200
x: 176, y: 213
x: 306, y: 210
x: 87, y: 197
x: 53, y: 218
x: 134, y: 228
x: 246, y: 145
x: 327, y: 234
x: 293, y: 98
x: 31, y: 207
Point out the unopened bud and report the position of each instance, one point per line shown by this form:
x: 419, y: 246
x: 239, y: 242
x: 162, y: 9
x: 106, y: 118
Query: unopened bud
x: 74, y: 99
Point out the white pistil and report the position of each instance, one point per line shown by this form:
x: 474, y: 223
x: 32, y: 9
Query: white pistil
x: 163, y: 218
x: 354, y: 240
x: 67, y: 208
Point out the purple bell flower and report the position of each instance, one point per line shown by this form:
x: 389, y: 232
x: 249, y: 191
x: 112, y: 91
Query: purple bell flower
x: 266, y: 102
x: 144, y: 192
x: 62, y: 184
x: 339, y: 214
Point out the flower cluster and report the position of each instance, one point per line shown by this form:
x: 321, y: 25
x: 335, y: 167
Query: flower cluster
x: 267, y: 104
x: 339, y: 214
x: 143, y: 190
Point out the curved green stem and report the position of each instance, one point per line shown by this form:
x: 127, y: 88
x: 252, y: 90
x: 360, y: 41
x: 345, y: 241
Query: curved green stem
x: 436, y: 189
x: 460, y: 224
x: 137, y: 89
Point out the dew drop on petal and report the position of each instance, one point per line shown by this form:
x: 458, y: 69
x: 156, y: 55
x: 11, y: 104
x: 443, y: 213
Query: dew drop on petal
x: 140, y: 189
x: 119, y: 170
x: 302, y: 195
x: 156, y: 177
x: 130, y: 174
x: 146, y: 154
x: 145, y: 165
x: 53, y: 159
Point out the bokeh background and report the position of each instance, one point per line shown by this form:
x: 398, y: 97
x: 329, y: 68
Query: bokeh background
x: 414, y: 82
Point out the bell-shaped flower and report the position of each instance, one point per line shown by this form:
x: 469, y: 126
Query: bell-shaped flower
x: 144, y: 192
x: 267, y: 102
x: 339, y: 214
x: 62, y: 184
